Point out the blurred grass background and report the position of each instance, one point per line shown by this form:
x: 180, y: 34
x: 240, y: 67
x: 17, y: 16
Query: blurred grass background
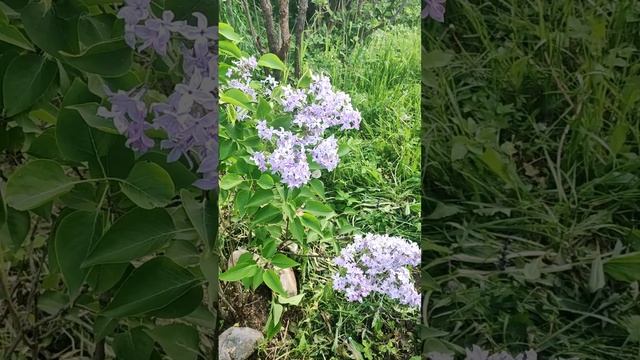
x: 531, y: 113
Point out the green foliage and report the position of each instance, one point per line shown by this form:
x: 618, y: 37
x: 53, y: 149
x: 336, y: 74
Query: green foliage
x: 98, y: 237
x: 531, y: 178
x: 375, y: 188
x: 272, y: 210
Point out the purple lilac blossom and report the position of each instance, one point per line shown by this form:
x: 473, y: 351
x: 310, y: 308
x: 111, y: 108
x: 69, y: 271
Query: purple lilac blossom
x: 378, y: 264
x: 326, y: 153
x: 134, y: 11
x: 434, y: 9
x: 156, y: 33
x: 189, y: 115
x: 129, y: 114
x: 314, y: 111
x: 202, y: 34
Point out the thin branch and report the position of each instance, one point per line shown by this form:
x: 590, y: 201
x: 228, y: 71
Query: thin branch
x: 267, y: 13
x: 285, y: 35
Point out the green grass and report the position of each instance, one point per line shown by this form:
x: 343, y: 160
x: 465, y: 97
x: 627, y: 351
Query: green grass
x: 375, y: 188
x: 532, y: 135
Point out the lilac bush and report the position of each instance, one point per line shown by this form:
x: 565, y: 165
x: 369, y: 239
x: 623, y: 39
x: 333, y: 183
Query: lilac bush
x: 277, y: 137
x: 314, y: 111
x: 188, y: 116
x: 378, y: 264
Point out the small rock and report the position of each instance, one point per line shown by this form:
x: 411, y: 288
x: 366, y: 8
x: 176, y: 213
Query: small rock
x: 238, y: 343
x: 288, y: 280
x: 235, y: 256
x: 293, y: 247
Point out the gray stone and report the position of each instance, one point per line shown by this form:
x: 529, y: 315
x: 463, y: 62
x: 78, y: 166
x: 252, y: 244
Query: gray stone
x: 238, y: 343
x: 288, y: 280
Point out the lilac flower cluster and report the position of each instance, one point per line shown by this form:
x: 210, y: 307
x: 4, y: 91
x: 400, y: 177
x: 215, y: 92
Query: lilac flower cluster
x: 434, y: 9
x: 378, y: 263
x: 313, y: 111
x: 189, y: 115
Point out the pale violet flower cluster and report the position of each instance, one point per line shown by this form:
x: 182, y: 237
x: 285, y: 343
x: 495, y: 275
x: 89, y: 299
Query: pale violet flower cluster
x: 477, y: 353
x: 188, y: 116
x: 378, y: 264
x: 434, y: 9
x: 314, y: 112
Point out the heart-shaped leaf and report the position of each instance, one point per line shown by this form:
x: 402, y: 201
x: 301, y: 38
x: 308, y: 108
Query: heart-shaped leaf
x: 36, y: 183
x: 135, y: 234
x: 150, y: 287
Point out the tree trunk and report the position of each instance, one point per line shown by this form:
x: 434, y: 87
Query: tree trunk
x: 300, y: 23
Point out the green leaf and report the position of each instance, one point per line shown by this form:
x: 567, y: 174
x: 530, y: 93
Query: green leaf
x: 95, y: 29
x: 236, y: 97
x: 102, y: 327
x: 89, y: 112
x: 45, y: 145
x: 265, y: 181
x: 443, y: 210
x: 618, y: 137
x: 271, y: 61
x: 632, y: 324
x: 148, y: 185
x: 436, y: 59
x: 259, y: 198
x: 277, y: 310
x: 15, y: 229
x: 182, y: 306
x: 76, y: 140
x: 263, y: 111
x: 111, y: 58
x: 272, y: 280
x: 239, y: 272
x: 102, y: 278
x: 495, y: 163
x: 180, y: 174
x: 11, y: 35
x: 297, y: 230
x: 179, y: 341
x: 25, y: 81
x: 229, y: 181
x: 74, y: 236
x: 624, y: 267
x: 135, y: 234
x: 267, y: 214
x: 203, y: 217
x: 152, y: 286
x: 311, y: 222
x: 227, y: 31
x: 49, y: 32
x: 35, y: 184
x: 283, y: 262
x: 596, y: 278
x: 202, y: 317
x: 318, y: 187
x: 134, y: 344
x: 228, y: 47
x: 317, y: 208
x: 209, y: 267
x: 183, y: 252
x: 294, y: 300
